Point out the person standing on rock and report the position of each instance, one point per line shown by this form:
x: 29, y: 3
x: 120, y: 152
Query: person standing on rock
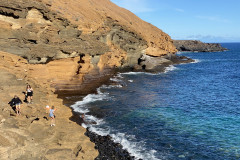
x: 29, y: 91
x: 17, y: 102
x: 52, y: 116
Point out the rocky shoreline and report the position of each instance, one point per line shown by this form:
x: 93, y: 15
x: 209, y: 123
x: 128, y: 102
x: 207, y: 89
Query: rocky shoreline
x: 52, y: 142
x: 197, y: 46
x: 59, y: 144
x: 107, y: 148
x: 70, y: 47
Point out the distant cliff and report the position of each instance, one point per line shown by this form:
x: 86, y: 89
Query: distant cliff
x: 197, y: 46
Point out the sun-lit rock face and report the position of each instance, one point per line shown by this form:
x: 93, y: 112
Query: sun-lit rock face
x: 77, y: 42
x: 31, y: 132
x: 90, y: 16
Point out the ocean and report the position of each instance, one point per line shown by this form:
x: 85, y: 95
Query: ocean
x: 191, y: 111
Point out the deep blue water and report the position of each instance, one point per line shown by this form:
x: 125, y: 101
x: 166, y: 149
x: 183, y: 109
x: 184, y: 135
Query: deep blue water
x: 189, y: 112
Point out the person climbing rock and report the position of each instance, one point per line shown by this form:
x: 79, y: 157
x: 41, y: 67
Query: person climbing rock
x: 29, y: 91
x: 52, y: 115
x: 16, y: 101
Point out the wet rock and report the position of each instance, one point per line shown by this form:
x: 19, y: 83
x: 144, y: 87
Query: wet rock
x: 108, y: 149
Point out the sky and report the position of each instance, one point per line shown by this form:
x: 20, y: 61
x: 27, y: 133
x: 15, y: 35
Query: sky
x: 205, y: 20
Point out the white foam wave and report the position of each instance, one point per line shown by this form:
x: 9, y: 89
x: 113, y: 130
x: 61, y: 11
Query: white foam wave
x: 91, y: 98
x: 170, y: 68
x: 128, y: 142
x: 119, y: 76
x: 84, y: 125
x: 81, y: 107
x: 137, y: 73
x: 196, y: 61
x: 115, y: 79
x: 132, y: 73
x: 134, y: 148
x: 100, y: 131
x: 111, y: 86
x: 91, y: 119
x: 130, y: 80
x: 97, y: 126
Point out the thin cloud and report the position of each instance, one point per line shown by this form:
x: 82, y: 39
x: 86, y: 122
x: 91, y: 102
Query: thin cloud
x: 213, y: 18
x: 179, y: 10
x: 210, y: 38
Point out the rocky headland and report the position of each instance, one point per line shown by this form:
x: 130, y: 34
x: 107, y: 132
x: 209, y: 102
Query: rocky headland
x: 79, y: 42
x: 197, y: 46
x: 66, y: 47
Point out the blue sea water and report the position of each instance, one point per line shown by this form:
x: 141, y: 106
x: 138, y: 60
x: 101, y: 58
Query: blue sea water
x: 192, y: 111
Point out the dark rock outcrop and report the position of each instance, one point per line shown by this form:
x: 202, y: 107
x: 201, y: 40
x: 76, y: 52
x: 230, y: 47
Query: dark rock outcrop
x: 197, y: 46
x: 108, y: 150
x: 158, y: 64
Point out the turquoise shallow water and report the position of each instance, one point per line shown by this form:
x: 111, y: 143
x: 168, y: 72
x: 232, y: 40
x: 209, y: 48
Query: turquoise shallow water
x: 190, y: 112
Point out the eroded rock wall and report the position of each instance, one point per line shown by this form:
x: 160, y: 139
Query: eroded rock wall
x: 34, y: 32
x: 79, y: 43
x: 89, y: 15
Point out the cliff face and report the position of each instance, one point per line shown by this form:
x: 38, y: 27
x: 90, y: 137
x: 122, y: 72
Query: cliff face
x: 78, y: 42
x: 90, y: 16
x: 197, y: 46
